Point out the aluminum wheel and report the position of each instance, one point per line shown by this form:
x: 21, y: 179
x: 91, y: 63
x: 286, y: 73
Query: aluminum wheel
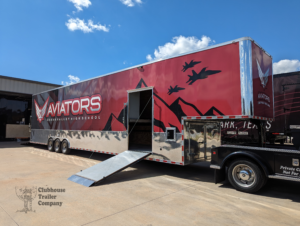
x: 64, y: 147
x: 243, y: 175
x: 57, y: 145
x: 50, y: 145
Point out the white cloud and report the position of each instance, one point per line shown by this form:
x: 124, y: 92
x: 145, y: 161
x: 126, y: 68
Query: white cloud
x: 80, y: 3
x: 285, y: 66
x: 131, y: 3
x: 72, y: 79
x: 179, y: 45
x: 77, y: 24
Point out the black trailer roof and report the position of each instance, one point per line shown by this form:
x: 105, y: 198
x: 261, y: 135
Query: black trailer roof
x: 287, y: 74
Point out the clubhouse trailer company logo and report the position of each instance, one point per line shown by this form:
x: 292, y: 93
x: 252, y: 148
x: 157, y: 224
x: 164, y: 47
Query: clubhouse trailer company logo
x: 28, y: 194
x: 89, y: 105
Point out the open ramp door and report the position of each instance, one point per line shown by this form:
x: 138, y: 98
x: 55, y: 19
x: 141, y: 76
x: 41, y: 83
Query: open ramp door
x: 107, y: 168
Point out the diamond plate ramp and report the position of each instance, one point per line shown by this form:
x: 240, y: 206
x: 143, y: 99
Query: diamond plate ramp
x: 107, y: 168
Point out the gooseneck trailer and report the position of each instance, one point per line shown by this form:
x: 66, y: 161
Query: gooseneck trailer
x: 171, y: 111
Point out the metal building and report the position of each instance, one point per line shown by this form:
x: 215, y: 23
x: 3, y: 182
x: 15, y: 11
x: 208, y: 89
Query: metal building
x: 15, y: 105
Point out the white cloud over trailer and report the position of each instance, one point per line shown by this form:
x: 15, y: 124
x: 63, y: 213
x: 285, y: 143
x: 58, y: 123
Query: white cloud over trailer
x: 81, y: 3
x: 180, y: 45
x: 77, y: 24
x: 72, y: 79
x: 131, y: 3
x: 284, y: 66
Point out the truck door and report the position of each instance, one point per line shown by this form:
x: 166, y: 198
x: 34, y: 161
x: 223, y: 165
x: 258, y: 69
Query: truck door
x: 200, y: 138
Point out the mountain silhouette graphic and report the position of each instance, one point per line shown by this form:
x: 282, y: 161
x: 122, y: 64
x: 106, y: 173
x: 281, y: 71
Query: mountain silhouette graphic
x: 140, y: 84
x: 122, y: 114
x: 213, y: 111
x: 113, y: 124
x: 172, y: 113
x: 164, y: 114
x: 182, y: 108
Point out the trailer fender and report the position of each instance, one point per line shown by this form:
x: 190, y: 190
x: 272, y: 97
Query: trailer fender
x: 256, y: 158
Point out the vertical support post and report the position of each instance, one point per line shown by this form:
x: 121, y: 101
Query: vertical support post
x: 205, y: 148
x: 189, y: 132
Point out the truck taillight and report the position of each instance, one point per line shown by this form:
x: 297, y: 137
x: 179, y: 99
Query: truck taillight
x: 214, y: 152
x: 278, y: 133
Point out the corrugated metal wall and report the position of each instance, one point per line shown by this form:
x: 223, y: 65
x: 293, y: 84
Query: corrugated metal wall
x: 25, y: 87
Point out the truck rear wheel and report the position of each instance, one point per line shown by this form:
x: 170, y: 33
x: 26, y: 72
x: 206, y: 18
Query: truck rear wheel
x: 246, y: 176
x: 57, y: 148
x: 65, y: 147
x: 50, y: 145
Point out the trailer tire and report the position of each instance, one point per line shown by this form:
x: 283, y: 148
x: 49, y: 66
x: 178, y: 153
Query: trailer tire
x: 65, y: 147
x: 246, y: 176
x: 57, y: 147
x: 50, y: 145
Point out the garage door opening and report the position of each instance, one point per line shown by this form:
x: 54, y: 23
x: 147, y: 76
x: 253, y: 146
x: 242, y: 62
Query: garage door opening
x: 140, y: 121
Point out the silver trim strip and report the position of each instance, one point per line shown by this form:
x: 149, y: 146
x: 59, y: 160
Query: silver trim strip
x: 140, y: 89
x: 245, y: 49
x: 231, y: 117
x: 262, y: 149
x: 284, y: 178
x: 151, y: 62
x: 215, y: 167
x: 273, y: 90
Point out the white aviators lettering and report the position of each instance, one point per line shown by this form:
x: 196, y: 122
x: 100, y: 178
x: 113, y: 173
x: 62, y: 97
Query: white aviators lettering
x: 89, y: 105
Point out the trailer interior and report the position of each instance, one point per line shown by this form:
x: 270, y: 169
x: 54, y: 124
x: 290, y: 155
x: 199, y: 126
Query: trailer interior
x: 140, y: 121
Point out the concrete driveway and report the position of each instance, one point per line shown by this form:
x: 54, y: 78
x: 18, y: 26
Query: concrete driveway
x: 148, y: 193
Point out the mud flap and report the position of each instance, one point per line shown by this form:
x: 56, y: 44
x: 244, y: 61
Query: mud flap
x: 220, y: 175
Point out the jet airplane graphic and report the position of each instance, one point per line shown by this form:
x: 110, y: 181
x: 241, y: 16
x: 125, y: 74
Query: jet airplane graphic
x: 190, y: 65
x: 175, y: 89
x: 203, y: 74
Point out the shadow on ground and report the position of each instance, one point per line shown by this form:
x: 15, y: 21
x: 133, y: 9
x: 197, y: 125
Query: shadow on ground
x: 274, y: 188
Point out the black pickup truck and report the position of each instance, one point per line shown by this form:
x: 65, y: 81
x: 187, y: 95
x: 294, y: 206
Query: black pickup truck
x: 248, y: 165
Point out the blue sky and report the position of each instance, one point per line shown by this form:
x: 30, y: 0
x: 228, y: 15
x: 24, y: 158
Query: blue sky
x: 55, y: 40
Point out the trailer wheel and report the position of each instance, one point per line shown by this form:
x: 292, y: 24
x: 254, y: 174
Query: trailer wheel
x: 65, y: 147
x: 50, y: 145
x: 246, y: 176
x: 57, y: 148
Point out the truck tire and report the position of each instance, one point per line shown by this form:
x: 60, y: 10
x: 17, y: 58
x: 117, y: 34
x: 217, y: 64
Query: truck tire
x: 246, y: 176
x: 50, y: 145
x: 65, y: 147
x: 56, y: 145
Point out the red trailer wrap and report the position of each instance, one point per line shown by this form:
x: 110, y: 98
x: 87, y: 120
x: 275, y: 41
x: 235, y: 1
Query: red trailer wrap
x: 219, y: 81
x: 211, y: 87
x: 262, y: 83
